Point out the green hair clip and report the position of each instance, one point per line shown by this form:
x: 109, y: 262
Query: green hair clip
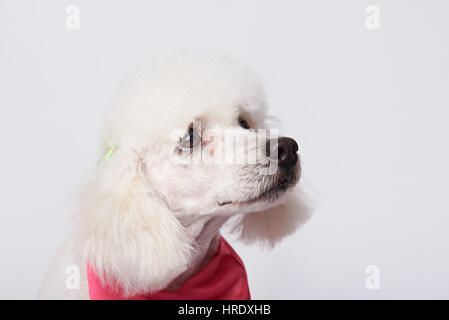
x: 108, y: 154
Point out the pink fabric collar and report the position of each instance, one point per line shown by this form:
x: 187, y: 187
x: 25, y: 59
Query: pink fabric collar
x: 223, y: 278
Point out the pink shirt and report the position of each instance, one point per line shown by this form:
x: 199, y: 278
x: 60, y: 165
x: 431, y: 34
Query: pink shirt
x: 223, y: 278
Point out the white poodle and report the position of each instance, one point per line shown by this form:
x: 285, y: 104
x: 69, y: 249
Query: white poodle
x: 184, y: 151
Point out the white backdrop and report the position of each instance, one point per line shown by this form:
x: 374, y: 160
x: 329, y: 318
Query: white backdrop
x: 369, y: 108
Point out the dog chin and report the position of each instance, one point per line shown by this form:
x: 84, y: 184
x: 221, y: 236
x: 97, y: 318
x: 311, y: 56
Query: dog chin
x: 270, y: 197
x: 254, y: 205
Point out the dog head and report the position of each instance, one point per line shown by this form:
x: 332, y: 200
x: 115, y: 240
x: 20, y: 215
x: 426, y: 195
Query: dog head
x: 186, y: 137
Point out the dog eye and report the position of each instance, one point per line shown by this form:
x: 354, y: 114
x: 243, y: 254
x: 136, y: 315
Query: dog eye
x: 190, y: 140
x: 243, y: 123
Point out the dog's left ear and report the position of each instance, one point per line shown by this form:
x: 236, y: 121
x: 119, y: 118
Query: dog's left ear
x: 269, y: 227
x: 128, y: 236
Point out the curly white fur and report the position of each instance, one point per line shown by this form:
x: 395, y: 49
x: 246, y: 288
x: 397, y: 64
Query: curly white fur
x: 143, y: 218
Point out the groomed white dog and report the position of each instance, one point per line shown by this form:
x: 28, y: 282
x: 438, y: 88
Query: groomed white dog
x: 150, y: 214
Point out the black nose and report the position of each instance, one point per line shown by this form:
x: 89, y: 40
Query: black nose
x: 286, y: 151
